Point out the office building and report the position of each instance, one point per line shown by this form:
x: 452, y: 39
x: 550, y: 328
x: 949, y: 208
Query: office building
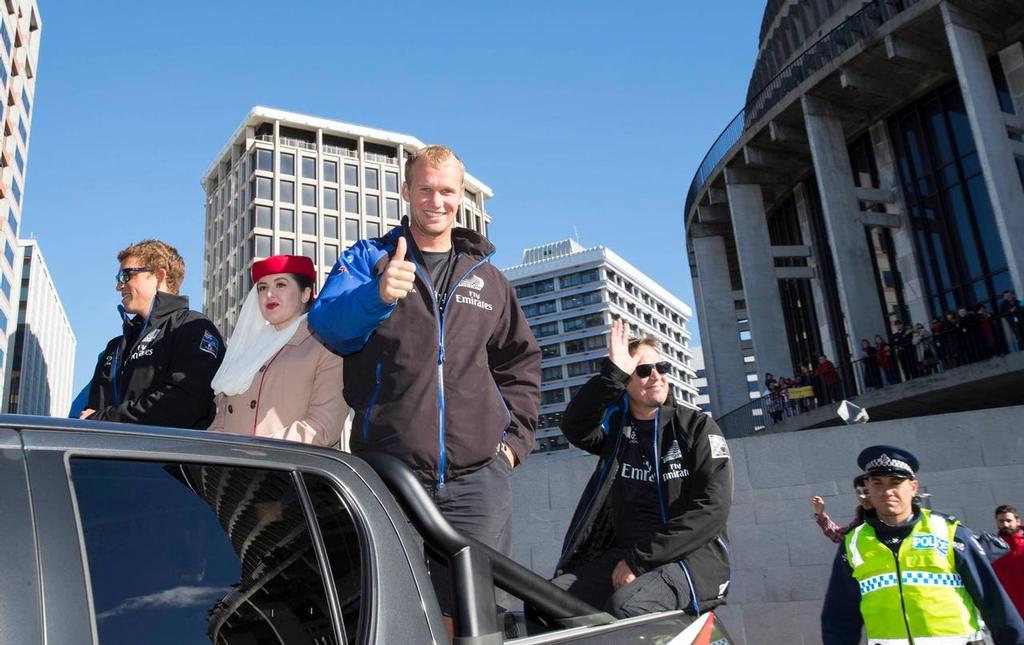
x: 303, y: 185
x: 570, y: 295
x: 42, y: 346
x: 874, y: 177
x: 20, y: 30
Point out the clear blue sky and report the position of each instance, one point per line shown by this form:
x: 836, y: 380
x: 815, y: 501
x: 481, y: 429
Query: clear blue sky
x: 586, y: 116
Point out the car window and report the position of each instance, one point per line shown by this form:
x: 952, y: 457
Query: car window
x: 194, y: 554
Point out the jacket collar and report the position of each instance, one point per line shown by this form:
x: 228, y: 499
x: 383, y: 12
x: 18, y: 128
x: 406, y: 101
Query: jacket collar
x: 164, y: 304
x: 301, y: 333
x: 464, y: 240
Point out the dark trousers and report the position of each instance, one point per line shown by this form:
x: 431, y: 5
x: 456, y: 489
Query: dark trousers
x: 479, y: 506
x: 661, y: 589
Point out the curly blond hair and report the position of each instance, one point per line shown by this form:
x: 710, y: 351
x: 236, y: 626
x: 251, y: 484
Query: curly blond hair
x: 158, y: 255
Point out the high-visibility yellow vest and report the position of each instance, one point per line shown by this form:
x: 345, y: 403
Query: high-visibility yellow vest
x: 920, y: 596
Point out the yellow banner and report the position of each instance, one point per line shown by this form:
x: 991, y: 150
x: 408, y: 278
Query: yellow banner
x: 805, y: 392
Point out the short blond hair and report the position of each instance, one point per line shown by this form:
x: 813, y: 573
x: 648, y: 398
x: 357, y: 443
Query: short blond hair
x: 157, y: 255
x: 436, y: 156
x: 649, y: 341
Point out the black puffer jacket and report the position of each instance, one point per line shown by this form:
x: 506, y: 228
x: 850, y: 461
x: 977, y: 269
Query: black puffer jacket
x: 696, y: 505
x: 158, y: 371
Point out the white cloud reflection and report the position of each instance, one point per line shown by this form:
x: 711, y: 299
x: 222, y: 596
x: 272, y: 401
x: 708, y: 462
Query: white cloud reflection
x: 176, y: 598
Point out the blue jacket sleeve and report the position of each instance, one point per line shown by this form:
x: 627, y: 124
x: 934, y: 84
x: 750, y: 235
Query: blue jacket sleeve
x: 841, y: 621
x: 349, y: 308
x: 988, y: 594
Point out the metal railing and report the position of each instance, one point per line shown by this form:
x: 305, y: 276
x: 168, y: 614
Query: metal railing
x: 341, y: 152
x: 269, y: 138
x: 297, y: 143
x: 955, y: 346
x: 857, y: 28
x: 377, y: 158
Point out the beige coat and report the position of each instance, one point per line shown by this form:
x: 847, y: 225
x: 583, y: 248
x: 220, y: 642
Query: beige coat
x: 296, y: 395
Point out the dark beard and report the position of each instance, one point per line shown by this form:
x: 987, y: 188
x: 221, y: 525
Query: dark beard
x: 1003, y: 531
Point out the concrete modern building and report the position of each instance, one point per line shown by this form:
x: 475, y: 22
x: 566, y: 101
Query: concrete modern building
x: 700, y: 380
x: 570, y: 296
x: 303, y: 185
x: 20, y: 30
x: 874, y: 176
x: 42, y: 346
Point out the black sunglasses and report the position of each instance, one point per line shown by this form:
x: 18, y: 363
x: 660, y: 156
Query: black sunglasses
x: 124, y: 275
x: 643, y: 371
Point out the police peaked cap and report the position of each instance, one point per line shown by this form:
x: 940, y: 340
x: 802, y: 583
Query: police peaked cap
x: 888, y: 460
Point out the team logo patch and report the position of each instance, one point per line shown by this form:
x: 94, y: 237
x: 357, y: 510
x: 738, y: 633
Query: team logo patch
x: 209, y: 344
x: 719, y: 449
x: 673, y: 454
x: 151, y: 336
x: 476, y: 283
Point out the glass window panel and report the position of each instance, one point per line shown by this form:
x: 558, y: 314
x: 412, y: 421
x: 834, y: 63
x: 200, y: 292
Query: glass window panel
x: 308, y: 223
x: 309, y: 250
x: 331, y: 171
x: 351, y: 230
x: 264, y: 188
x: 309, y: 167
x: 330, y: 227
x: 962, y: 219
x: 971, y: 165
x: 391, y: 182
x: 940, y: 259
x: 286, y: 220
x: 351, y: 175
x: 372, y: 178
x: 264, y: 160
x: 264, y: 217
x: 288, y: 192
x: 372, y: 230
x: 331, y: 199
x: 991, y: 242
x: 351, y: 202
x: 943, y: 147
x: 330, y: 254
x: 391, y: 206
x: 308, y: 195
x: 373, y: 205
x: 263, y: 246
x: 287, y: 163
x: 286, y: 246
x: 172, y: 547
x: 961, y: 127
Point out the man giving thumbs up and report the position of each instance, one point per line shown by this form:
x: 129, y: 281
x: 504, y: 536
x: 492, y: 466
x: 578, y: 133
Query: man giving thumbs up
x: 440, y: 366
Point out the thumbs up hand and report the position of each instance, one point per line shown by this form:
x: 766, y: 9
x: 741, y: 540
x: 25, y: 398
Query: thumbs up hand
x: 397, y: 279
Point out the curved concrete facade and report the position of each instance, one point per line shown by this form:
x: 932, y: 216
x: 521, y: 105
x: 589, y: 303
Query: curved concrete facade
x: 805, y: 143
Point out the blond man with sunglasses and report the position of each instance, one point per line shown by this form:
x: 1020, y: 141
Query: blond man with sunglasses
x: 158, y: 371
x: 649, y: 533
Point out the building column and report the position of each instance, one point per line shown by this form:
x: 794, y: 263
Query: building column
x: 903, y: 236
x: 1012, y: 59
x: 760, y: 285
x: 803, y: 215
x: 840, y: 207
x: 988, y: 125
x: 720, y: 336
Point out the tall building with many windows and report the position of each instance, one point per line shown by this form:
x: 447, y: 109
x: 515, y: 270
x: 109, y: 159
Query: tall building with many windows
x: 42, y: 345
x: 303, y: 185
x: 20, y: 29
x: 570, y: 295
x: 874, y: 177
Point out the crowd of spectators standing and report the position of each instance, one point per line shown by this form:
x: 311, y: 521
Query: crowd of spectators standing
x: 910, y: 351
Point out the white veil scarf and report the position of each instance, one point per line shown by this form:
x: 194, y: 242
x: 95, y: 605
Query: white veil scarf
x: 253, y: 342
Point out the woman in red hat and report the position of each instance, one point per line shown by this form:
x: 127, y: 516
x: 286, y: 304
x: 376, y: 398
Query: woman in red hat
x: 277, y: 379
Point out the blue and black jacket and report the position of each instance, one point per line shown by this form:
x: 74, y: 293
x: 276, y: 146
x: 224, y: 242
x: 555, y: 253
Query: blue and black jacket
x: 158, y: 371
x: 694, y: 508
x: 438, y: 384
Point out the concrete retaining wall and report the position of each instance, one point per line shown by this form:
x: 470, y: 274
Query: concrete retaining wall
x: 970, y: 463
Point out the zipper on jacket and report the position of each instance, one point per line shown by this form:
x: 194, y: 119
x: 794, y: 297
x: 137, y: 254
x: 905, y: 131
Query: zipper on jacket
x: 899, y: 582
x: 439, y: 312
x: 369, y: 407
x: 571, y: 535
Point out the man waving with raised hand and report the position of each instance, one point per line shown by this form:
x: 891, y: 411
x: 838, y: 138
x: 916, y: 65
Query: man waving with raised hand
x: 649, y: 531
x: 441, y: 367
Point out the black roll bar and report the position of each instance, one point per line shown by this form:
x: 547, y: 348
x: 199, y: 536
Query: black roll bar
x: 475, y: 568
